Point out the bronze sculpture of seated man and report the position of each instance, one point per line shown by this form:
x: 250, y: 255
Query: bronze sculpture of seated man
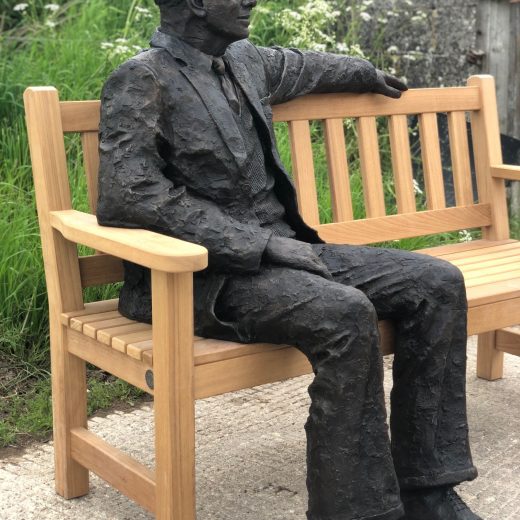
x: 187, y: 149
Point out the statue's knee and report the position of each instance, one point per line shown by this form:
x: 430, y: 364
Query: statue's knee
x: 445, y: 282
x: 351, y: 314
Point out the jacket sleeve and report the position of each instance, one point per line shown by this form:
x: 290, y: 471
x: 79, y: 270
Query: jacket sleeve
x: 291, y: 73
x: 134, y: 191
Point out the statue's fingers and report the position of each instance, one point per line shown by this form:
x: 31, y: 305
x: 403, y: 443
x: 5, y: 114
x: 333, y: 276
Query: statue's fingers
x: 391, y: 92
x: 396, y: 83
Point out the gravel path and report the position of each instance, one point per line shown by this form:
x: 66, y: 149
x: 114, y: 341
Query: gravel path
x: 251, y: 456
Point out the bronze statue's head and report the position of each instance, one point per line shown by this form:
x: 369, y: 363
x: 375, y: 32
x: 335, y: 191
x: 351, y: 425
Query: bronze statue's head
x: 225, y: 20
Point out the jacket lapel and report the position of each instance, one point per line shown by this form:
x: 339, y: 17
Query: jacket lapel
x: 196, y: 69
x: 218, y: 108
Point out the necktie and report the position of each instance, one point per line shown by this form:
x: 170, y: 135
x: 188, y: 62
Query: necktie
x: 227, y: 86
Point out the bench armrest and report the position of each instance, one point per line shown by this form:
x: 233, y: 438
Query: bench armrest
x: 506, y: 171
x: 146, y: 248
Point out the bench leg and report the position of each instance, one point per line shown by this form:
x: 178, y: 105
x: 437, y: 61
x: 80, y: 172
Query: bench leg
x: 69, y: 398
x: 173, y: 361
x: 490, y: 361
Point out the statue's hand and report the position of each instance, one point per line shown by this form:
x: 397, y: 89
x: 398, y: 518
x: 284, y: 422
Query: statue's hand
x: 293, y: 253
x: 388, y: 85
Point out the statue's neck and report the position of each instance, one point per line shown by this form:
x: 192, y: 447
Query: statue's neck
x: 198, y: 37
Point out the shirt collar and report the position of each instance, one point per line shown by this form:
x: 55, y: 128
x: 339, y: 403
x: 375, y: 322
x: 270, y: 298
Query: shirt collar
x: 182, y: 50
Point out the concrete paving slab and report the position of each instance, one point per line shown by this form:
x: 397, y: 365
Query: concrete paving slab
x: 251, y: 456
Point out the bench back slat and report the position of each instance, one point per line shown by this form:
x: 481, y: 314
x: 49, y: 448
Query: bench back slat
x: 460, y: 160
x: 431, y: 161
x: 371, y: 167
x: 303, y: 171
x: 339, y: 179
x: 402, y: 164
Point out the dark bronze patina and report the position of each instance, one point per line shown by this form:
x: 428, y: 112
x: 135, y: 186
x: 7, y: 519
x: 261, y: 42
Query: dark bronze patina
x: 188, y: 149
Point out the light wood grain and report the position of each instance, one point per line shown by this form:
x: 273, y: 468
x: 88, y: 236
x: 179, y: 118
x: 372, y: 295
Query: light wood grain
x: 402, y: 164
x: 108, y: 359
x: 431, y: 161
x: 460, y: 160
x: 414, y: 101
x: 506, y: 171
x: 80, y: 116
x: 90, y: 308
x: 90, y: 144
x: 339, y: 180
x: 127, y: 475
x: 121, y: 341
x: 140, y: 246
x: 493, y: 292
x: 487, y: 318
x: 508, y: 340
x: 52, y: 190
x: 371, y: 167
x: 106, y: 336
x: 473, y: 245
x: 490, y: 361
x: 475, y: 249
x: 303, y: 171
x: 393, y: 227
x: 100, y: 269
x: 77, y: 322
x: 91, y: 329
x: 487, y: 150
x: 172, y: 315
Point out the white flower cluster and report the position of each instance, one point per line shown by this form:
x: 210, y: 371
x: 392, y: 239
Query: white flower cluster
x: 310, y: 24
x: 142, y: 12
x: 465, y: 236
x: 20, y: 8
x: 120, y: 47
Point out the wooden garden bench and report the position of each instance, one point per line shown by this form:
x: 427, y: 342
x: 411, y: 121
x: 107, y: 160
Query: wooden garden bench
x: 166, y: 360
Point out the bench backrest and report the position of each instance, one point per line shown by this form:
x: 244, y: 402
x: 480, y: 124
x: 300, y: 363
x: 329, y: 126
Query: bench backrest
x: 48, y: 119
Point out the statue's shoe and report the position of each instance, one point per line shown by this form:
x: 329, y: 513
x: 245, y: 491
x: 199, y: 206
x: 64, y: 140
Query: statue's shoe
x: 440, y: 503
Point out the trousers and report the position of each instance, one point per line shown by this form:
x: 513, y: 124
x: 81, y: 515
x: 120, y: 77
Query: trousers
x: 354, y: 470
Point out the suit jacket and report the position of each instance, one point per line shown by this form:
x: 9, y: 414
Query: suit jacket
x: 172, y: 157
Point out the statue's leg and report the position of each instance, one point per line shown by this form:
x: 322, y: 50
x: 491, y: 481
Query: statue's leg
x: 350, y: 468
x: 426, y: 299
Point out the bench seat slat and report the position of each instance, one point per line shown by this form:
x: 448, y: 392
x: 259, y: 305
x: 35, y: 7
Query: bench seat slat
x: 121, y: 341
x: 106, y: 335
x: 91, y: 329
x: 78, y: 322
x: 491, y: 278
x: 482, y: 253
x: 471, y: 245
x: 90, y: 308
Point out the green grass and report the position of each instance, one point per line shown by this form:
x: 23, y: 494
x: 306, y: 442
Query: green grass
x: 75, y: 49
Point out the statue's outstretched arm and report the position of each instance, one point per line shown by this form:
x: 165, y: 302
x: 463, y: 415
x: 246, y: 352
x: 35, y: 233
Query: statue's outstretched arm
x: 291, y: 73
